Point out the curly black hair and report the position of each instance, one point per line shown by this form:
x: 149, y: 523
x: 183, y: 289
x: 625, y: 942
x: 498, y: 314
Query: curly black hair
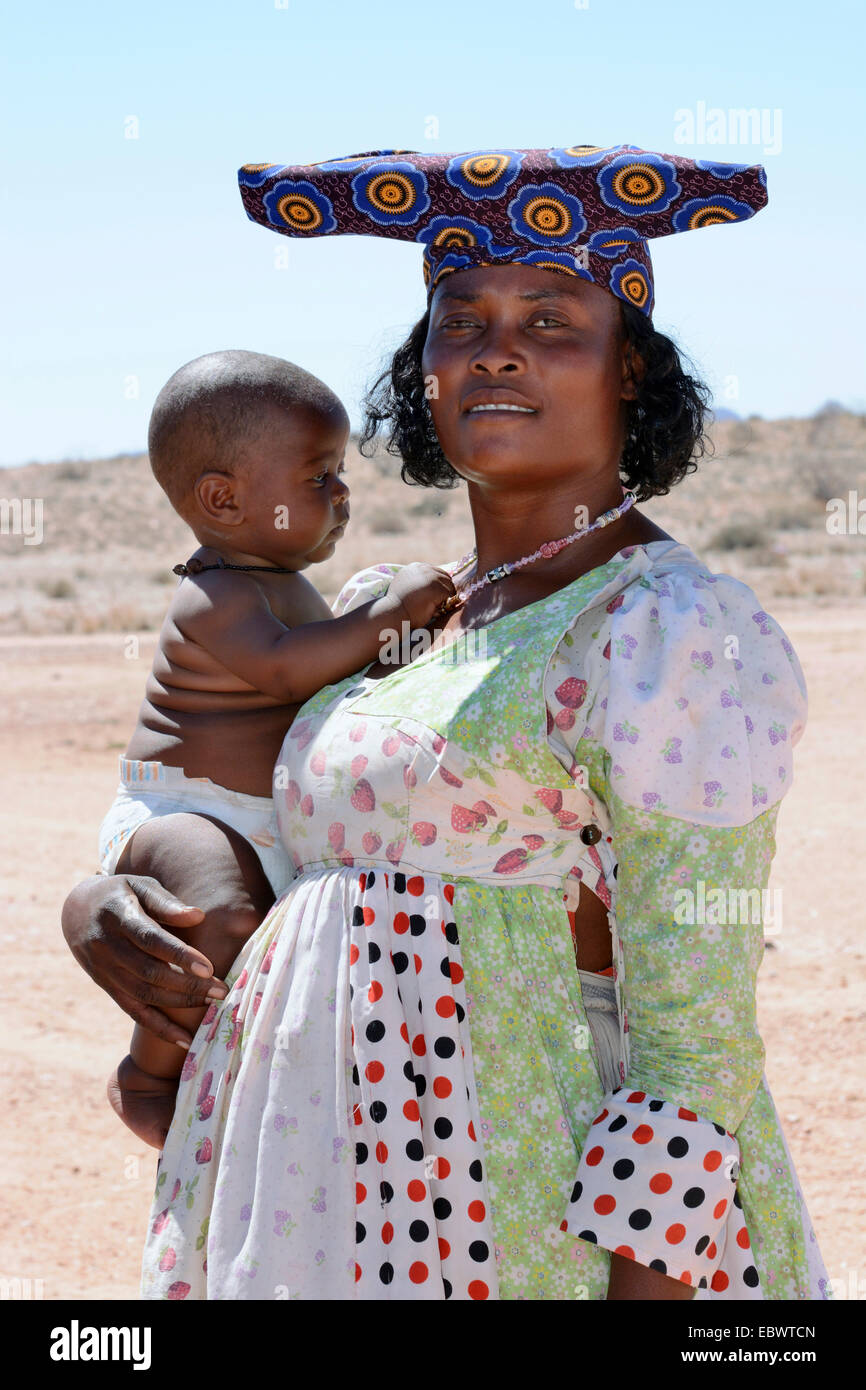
x: 665, y: 423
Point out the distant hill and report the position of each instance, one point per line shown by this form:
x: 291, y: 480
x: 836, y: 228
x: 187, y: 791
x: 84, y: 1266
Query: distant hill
x: 756, y: 509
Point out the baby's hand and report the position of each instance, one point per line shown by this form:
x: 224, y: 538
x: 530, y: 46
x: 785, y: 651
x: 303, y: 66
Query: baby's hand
x: 145, y: 1103
x: 421, y: 589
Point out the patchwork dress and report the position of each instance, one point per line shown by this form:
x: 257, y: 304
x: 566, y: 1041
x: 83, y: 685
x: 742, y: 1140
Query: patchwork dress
x: 400, y: 1096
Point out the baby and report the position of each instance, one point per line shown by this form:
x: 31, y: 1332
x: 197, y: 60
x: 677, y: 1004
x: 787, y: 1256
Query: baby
x: 249, y: 450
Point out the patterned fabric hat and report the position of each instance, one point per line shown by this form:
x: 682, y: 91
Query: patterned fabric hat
x: 583, y: 211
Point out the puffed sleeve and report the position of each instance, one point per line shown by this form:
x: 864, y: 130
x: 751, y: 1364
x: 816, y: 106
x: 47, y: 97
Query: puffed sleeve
x: 363, y: 587
x: 691, y: 700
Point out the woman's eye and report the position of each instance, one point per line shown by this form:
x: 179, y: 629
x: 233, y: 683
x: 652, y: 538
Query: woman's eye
x: 548, y: 318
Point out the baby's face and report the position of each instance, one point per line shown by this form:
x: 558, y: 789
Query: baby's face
x: 296, y: 500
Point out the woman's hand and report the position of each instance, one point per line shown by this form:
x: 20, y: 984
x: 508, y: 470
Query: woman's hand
x: 114, y: 926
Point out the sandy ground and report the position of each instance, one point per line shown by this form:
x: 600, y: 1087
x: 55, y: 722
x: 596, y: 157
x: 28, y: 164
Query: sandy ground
x: 77, y: 1185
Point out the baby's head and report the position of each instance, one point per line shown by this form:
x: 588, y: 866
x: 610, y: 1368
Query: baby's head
x: 249, y: 450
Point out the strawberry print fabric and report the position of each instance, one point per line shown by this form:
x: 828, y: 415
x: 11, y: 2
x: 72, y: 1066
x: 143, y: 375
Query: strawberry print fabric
x: 401, y: 1097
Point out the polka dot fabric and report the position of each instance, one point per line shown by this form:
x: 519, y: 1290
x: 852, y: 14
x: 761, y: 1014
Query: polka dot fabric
x: 401, y: 1097
x: 659, y: 1185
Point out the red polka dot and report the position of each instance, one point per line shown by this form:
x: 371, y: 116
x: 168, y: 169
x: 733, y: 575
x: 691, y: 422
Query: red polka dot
x: 445, y: 1006
x: 416, y: 1190
x: 357, y: 1116
x: 444, y: 1248
x: 353, y: 955
x: 711, y: 1250
x: 470, y: 1130
x: 415, y: 886
x: 362, y: 881
x: 441, y: 1087
x: 382, y: 1152
x: 357, y: 1273
x: 387, y: 1233
x: 719, y: 1208
x: 418, y: 1272
x: 685, y: 1277
x: 603, y: 1116
x: 675, y: 1233
x: 410, y: 1110
x: 624, y: 1250
x: 456, y: 972
x: 604, y: 1204
x: 643, y: 1134
x: 374, y: 993
x: 686, y: 1114
x: 417, y: 960
x: 374, y: 1071
x: 661, y: 1182
x: 369, y: 915
x: 404, y: 1031
x: 441, y: 1168
x: 477, y: 1211
x: 478, y: 1289
x: 419, y: 1046
x: 719, y: 1282
x: 360, y: 1193
x: 401, y: 923
x: 563, y: 1225
x: 595, y: 1156
x: 743, y: 1239
x: 637, y: 1096
x: 448, y: 892
x: 712, y: 1160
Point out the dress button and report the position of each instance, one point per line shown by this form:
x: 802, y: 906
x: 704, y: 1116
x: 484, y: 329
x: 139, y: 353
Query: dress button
x: 590, y: 834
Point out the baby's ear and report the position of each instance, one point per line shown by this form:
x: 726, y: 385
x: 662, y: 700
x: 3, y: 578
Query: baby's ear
x: 217, y: 498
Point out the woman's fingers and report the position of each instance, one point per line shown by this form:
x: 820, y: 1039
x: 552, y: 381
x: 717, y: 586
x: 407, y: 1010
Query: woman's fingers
x: 146, y: 1015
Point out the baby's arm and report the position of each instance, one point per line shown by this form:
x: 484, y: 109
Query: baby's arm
x: 231, y: 619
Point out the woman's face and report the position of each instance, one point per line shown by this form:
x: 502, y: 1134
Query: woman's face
x: 549, y: 344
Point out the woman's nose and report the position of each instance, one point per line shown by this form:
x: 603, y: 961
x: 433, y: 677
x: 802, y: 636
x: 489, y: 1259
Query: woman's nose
x: 497, y: 353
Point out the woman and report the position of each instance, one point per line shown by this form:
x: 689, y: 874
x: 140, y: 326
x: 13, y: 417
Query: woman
x: 430, y: 1078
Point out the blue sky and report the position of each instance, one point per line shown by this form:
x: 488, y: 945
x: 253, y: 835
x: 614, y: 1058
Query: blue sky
x: 125, y: 257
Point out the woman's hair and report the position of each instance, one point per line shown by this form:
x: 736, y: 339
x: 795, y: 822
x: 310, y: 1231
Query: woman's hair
x: 664, y: 431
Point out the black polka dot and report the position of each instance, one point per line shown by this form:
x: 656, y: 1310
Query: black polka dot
x: 409, y: 1071
x: 656, y: 1104
x: 623, y: 1168
x: 373, y: 952
x: 400, y: 961
x: 617, y: 1123
x: 417, y: 924
x: 451, y: 933
x: 386, y: 1273
x: 371, y: 878
x: 355, y: 1077
x: 479, y: 1250
x: 444, y: 1047
x: 588, y: 1235
x: 443, y: 1128
x: 419, y: 1230
x: 445, y: 967
x: 378, y: 1111
x: 357, y: 917
x: 420, y: 1084
x: 678, y: 1147
x: 720, y: 1129
x: 702, y: 1245
x: 360, y: 1232
x: 576, y: 1191
x: 399, y: 883
x: 659, y: 1266
x: 441, y: 1208
x: 476, y: 1172
x: 351, y: 991
x: 415, y: 1150
x: 750, y: 1277
x: 694, y: 1197
x: 361, y: 1153
x: 737, y: 1202
x: 461, y: 1012
x: 447, y: 1287
x: 375, y: 1031
x: 702, y: 1282
x: 639, y: 1219
x: 386, y: 1191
